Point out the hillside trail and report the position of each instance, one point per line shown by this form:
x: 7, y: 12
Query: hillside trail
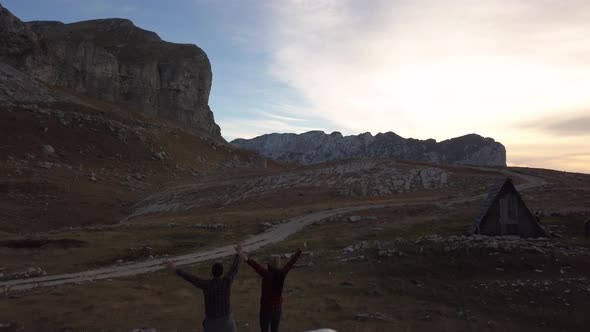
x: 276, y: 234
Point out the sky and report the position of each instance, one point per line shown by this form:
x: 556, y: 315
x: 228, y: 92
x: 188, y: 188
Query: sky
x: 514, y: 70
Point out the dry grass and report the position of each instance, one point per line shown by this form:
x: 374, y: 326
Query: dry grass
x: 412, y: 292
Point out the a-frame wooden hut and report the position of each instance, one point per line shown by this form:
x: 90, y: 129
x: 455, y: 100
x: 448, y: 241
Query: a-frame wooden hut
x: 504, y: 213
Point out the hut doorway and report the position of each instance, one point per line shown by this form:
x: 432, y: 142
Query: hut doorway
x: 509, y: 214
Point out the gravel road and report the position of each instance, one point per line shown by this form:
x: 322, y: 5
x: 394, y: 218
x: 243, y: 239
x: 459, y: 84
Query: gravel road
x: 276, y: 234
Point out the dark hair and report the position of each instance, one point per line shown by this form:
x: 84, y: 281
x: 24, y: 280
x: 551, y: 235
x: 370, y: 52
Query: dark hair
x: 217, y: 270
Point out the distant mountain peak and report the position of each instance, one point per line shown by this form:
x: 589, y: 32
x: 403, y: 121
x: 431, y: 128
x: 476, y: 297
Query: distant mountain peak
x: 317, y: 146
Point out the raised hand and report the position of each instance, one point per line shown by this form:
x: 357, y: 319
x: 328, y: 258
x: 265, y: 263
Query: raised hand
x: 240, y: 251
x: 170, y: 265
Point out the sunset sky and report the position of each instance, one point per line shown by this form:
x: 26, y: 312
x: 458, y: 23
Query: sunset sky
x: 517, y: 71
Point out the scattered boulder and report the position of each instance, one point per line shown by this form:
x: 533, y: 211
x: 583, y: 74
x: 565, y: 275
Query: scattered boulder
x: 7, y: 326
x: 162, y: 155
x: 48, y: 149
x: 359, y: 258
x: 369, y: 316
x: 203, y: 226
x: 31, y: 272
x: 356, y: 247
x: 389, y: 252
x: 45, y: 164
x: 454, y: 243
x: 145, y: 329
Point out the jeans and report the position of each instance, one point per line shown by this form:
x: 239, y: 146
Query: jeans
x: 270, y: 318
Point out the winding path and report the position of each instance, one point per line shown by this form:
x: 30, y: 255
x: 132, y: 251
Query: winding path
x: 276, y: 234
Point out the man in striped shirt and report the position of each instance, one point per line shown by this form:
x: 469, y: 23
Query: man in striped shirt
x: 217, y: 292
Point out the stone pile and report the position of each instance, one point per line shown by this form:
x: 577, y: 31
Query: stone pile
x: 562, y: 212
x: 348, y: 219
x: 370, y: 316
x: 383, y: 249
x: 31, y: 272
x: 204, y: 226
x: 459, y: 243
x: 455, y: 243
x: 556, y: 290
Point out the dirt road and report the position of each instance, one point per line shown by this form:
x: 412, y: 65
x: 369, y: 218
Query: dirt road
x: 276, y: 234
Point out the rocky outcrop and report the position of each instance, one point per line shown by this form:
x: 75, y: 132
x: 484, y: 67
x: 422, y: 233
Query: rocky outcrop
x: 317, y: 146
x: 114, y: 60
x: 17, y: 41
x: 18, y: 87
x: 354, y: 178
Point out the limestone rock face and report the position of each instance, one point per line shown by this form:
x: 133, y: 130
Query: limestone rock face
x: 17, y: 41
x: 317, y: 146
x: 114, y: 60
x: 18, y: 87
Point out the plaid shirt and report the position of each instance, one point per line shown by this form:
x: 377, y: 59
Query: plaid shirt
x: 217, y: 291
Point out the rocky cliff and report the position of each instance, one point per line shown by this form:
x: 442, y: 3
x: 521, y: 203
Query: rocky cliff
x: 317, y: 146
x: 114, y: 60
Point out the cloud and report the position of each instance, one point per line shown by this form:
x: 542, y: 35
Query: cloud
x: 281, y: 117
x: 555, y: 151
x: 233, y: 128
x: 567, y: 125
x: 431, y: 68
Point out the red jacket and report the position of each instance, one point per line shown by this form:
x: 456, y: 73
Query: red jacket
x: 271, y: 298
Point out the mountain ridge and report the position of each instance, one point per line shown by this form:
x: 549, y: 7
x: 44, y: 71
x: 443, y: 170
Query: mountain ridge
x: 317, y: 146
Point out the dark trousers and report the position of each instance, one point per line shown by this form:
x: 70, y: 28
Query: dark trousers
x: 270, y: 318
x: 220, y: 324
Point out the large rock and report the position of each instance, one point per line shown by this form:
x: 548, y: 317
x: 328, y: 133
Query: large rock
x: 114, y: 60
x: 317, y: 146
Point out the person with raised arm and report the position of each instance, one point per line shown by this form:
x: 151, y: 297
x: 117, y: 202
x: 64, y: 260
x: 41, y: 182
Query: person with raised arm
x: 217, y: 294
x: 273, y: 279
